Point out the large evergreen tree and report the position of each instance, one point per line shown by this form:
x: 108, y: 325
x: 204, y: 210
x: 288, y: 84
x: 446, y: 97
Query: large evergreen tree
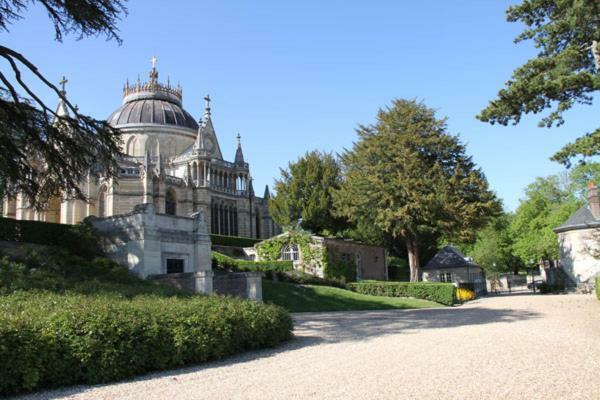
x: 410, y: 179
x: 44, y: 153
x: 304, y: 191
x: 565, y: 71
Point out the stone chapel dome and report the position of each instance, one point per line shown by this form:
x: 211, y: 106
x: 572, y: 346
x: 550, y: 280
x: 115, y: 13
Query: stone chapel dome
x: 152, y: 103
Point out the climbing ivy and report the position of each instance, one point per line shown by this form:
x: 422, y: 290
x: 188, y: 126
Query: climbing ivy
x: 313, y: 254
x: 270, y: 250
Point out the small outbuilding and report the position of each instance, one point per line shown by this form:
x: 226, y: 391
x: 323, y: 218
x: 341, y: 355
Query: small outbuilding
x: 450, y: 265
x: 324, y: 257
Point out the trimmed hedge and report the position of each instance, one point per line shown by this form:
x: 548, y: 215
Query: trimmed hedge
x: 301, y: 278
x: 598, y: 287
x: 49, y: 339
x: 231, y: 264
x: 443, y: 293
x: 77, y: 239
x: 235, y: 241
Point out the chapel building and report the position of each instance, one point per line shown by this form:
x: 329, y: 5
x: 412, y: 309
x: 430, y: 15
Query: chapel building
x: 169, y: 160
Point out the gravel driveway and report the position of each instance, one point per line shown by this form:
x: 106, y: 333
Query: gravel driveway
x: 506, y: 347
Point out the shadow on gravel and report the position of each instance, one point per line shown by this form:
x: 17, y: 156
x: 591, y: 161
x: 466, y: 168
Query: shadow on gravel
x: 339, y: 327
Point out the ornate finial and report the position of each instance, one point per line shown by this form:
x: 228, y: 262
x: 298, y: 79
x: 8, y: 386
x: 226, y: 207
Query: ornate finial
x: 207, y: 106
x: 63, y: 83
x: 239, y: 139
x: 153, y: 72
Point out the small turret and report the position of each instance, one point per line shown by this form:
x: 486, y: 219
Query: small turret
x: 62, y: 110
x: 239, y: 155
x: 267, y: 194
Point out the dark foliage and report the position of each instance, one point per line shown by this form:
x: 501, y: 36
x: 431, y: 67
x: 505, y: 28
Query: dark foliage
x: 43, y: 153
x: 77, y: 239
x: 565, y: 72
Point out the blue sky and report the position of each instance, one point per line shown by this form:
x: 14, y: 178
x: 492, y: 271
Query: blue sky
x: 297, y: 76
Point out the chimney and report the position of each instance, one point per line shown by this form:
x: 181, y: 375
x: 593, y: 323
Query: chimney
x: 593, y: 200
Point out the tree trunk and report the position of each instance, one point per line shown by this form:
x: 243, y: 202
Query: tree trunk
x: 413, y: 258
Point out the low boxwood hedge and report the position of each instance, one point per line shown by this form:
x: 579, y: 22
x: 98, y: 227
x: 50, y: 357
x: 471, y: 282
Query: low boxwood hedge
x: 49, y: 339
x: 443, y: 293
x: 235, y: 241
x: 232, y: 264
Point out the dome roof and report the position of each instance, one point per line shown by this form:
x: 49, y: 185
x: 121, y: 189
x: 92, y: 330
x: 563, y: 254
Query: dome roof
x: 152, y: 103
x: 152, y: 111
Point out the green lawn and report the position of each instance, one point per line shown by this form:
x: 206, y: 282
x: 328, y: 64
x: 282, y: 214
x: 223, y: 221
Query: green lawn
x: 307, y: 298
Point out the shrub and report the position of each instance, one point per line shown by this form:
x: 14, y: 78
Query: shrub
x: 234, y: 241
x: 302, y: 278
x: 443, y: 293
x: 231, y: 264
x: 48, y: 340
x: 59, y: 271
x: 463, y: 294
x: 77, y: 239
x: 598, y: 287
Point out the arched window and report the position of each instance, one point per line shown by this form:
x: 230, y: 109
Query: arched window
x: 290, y: 253
x: 170, y: 203
x: 102, y: 195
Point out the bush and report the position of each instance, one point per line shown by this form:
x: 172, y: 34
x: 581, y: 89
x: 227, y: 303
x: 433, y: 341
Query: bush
x: 231, y: 264
x: 463, y: 294
x: 598, y: 287
x: 48, y: 340
x: 58, y: 271
x: 443, y: 293
x: 77, y: 239
x: 234, y: 241
x: 302, y: 278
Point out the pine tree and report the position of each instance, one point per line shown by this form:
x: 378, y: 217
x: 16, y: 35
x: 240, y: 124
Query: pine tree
x: 566, y: 70
x: 44, y: 153
x: 410, y: 179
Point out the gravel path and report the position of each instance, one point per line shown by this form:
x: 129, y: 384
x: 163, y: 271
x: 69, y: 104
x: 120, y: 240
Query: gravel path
x: 517, y: 347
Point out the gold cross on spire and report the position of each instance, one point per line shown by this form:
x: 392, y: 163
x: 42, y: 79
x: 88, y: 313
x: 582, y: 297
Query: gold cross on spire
x: 63, y: 83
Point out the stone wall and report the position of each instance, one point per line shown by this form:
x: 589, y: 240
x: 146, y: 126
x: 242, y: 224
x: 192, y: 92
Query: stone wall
x: 370, y: 261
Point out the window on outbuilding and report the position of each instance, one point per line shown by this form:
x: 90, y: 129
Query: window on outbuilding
x: 445, y: 277
x: 290, y: 253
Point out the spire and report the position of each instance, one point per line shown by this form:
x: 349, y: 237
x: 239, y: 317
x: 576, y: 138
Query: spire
x: 239, y: 155
x: 206, y: 139
x: 62, y: 110
x: 267, y: 194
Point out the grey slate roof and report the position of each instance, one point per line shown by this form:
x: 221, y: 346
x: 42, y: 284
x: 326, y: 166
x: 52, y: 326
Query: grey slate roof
x: 449, y: 257
x: 580, y: 219
x: 152, y: 111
